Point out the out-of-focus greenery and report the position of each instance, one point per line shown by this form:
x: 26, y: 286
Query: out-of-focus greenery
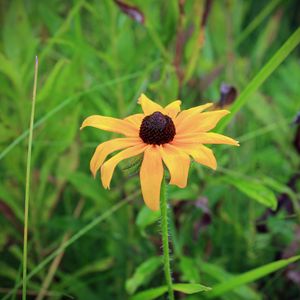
x: 95, y: 59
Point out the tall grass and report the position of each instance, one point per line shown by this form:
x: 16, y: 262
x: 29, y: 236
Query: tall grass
x: 28, y: 180
x: 95, y: 59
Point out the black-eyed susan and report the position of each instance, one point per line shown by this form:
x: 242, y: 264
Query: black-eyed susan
x: 165, y: 136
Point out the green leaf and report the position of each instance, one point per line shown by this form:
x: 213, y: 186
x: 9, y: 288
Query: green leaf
x: 189, y: 269
x: 150, y: 294
x: 146, y: 217
x: 250, y: 276
x: 87, y: 186
x: 216, y: 272
x: 143, y: 274
x: 132, y: 165
x: 49, y: 85
x: 190, y: 288
x: 254, y: 190
x: 186, y: 288
x: 97, y: 266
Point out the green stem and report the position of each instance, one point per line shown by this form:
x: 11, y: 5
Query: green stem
x: 165, y: 238
x: 27, y: 188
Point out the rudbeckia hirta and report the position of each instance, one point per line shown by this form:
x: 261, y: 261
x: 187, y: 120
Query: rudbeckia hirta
x: 166, y: 136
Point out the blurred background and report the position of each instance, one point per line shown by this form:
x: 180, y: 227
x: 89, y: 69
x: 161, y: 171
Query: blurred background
x: 97, y: 57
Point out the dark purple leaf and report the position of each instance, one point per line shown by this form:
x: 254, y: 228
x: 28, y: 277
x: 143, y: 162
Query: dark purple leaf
x: 206, y: 11
x: 297, y: 139
x: 228, y: 95
x: 294, y: 276
x: 297, y: 119
x: 132, y: 12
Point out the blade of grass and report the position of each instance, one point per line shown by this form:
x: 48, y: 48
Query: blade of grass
x: 53, y: 267
x: 73, y: 239
x: 250, y: 276
x: 262, y: 75
x: 27, y: 188
x: 257, y: 21
x: 64, y: 103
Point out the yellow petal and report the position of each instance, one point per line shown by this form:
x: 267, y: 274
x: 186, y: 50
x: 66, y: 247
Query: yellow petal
x: 108, y: 167
x: 205, y: 138
x: 136, y: 119
x: 200, y: 154
x: 201, y: 122
x: 111, y: 124
x: 151, y: 175
x: 190, y: 112
x: 173, y: 109
x: 178, y: 164
x: 104, y: 149
x: 149, y: 106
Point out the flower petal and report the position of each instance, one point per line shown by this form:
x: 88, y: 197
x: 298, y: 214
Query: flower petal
x: 148, y: 105
x: 200, y: 154
x: 108, y: 167
x: 190, y: 112
x: 178, y: 164
x: 111, y: 124
x: 104, y: 149
x: 173, y: 109
x: 205, y: 138
x: 201, y: 122
x: 136, y: 120
x: 151, y: 175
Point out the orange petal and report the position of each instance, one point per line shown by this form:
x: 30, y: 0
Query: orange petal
x: 200, y: 154
x: 178, y: 164
x: 173, y: 109
x: 190, y: 112
x: 136, y: 120
x: 104, y: 149
x: 205, y: 138
x: 111, y: 124
x: 149, y: 106
x: 151, y: 175
x: 108, y: 167
x: 201, y: 122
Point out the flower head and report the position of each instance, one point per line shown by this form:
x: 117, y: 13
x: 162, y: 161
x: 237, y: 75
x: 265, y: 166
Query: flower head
x: 164, y: 136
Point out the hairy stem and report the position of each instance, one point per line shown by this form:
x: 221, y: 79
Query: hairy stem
x: 165, y: 238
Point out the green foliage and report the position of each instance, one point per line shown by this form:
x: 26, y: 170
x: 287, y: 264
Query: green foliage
x: 186, y: 288
x: 143, y: 274
x: 254, y: 190
x: 251, y: 276
x: 89, y: 243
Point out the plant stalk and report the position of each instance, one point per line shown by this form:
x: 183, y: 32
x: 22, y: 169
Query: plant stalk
x: 165, y: 238
x: 27, y: 188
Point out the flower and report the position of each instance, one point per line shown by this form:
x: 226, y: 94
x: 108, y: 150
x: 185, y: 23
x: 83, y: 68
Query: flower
x: 164, y: 135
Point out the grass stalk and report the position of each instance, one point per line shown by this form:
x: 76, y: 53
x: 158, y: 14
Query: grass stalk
x: 74, y: 238
x: 27, y: 188
x: 281, y: 54
x: 56, y: 262
x: 70, y: 100
x: 165, y: 238
x: 263, y: 14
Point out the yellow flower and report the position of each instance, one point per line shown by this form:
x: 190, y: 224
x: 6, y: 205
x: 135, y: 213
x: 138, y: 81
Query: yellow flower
x: 164, y: 135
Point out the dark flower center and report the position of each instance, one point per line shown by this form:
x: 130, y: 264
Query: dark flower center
x: 157, y: 129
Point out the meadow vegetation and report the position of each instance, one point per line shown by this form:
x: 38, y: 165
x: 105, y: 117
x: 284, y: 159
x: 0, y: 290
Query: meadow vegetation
x: 235, y: 230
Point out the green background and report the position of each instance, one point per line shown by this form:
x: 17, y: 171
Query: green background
x: 95, y: 59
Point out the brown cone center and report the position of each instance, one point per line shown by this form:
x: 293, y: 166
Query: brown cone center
x: 157, y: 129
